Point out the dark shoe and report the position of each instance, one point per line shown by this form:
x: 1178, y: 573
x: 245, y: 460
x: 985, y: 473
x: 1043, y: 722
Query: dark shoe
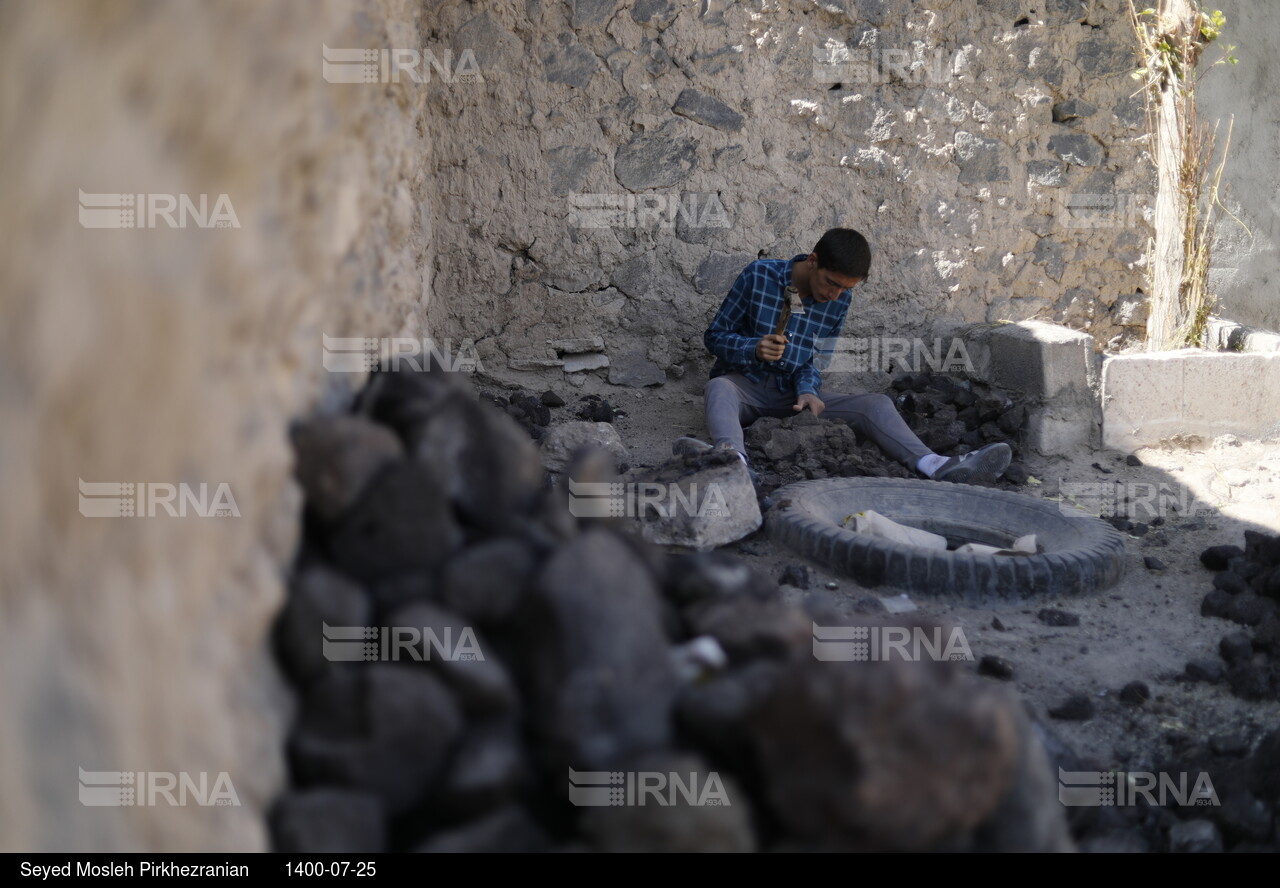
x: 991, y: 460
x: 687, y: 446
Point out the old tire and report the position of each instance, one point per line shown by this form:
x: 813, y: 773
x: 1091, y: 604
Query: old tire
x: 1077, y: 553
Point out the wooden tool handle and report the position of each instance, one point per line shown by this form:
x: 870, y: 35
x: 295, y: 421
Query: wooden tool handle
x: 785, y: 317
x: 790, y: 302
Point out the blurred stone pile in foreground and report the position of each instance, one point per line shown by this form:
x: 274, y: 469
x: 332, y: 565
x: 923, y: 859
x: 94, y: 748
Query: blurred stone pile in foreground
x: 572, y: 656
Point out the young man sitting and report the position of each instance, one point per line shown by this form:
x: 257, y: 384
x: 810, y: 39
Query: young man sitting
x: 761, y: 372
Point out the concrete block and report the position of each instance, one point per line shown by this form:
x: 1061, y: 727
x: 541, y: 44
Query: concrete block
x: 1057, y: 432
x: 1050, y: 366
x: 1259, y: 341
x: 1229, y: 391
x: 1227, y: 335
x: 1033, y: 357
x: 1218, y: 332
x: 1148, y: 398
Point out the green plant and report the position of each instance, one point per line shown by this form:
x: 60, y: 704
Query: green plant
x: 1167, y: 52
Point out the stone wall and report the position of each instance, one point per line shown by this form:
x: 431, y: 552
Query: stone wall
x: 991, y: 151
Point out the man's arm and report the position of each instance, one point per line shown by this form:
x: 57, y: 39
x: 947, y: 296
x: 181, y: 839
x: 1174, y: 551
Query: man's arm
x: 724, y: 338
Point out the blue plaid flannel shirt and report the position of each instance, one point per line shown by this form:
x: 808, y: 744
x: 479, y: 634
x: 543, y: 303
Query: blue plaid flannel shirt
x: 752, y: 310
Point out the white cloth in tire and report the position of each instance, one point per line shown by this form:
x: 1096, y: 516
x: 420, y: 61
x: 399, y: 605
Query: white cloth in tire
x: 1023, y: 545
x: 876, y: 525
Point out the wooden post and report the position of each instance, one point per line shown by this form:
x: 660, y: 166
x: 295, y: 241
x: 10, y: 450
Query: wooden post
x: 1175, y: 18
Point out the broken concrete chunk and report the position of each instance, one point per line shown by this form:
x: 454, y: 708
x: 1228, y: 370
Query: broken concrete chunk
x: 579, y: 363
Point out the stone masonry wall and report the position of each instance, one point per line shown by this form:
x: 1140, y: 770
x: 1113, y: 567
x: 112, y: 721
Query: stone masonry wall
x: 991, y: 152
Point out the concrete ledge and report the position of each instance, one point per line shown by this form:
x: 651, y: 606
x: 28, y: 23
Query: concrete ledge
x: 1148, y: 398
x: 1229, y: 336
x: 1053, y: 367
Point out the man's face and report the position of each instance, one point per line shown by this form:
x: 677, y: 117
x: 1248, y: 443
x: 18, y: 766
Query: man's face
x: 826, y: 285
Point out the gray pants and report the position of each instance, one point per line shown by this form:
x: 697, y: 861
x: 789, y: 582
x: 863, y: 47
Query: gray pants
x: 734, y: 402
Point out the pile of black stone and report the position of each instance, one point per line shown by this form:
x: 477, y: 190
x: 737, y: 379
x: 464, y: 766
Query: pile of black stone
x: 477, y: 670
x: 1219, y: 793
x: 1246, y: 590
x: 951, y: 416
x: 533, y: 412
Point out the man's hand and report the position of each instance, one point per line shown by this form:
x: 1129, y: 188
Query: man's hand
x: 813, y: 402
x: 771, y: 347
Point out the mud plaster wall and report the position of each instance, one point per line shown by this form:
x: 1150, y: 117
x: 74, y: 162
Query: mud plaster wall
x: 1246, y: 272
x: 991, y: 151
x: 176, y: 355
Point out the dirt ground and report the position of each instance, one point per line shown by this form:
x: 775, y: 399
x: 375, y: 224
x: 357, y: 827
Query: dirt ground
x: 1145, y: 628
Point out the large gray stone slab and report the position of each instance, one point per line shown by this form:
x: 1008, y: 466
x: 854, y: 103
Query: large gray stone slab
x: 1080, y: 149
x: 979, y: 159
x: 573, y: 65
x: 700, y: 503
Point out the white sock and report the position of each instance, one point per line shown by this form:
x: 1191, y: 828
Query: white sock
x: 930, y: 463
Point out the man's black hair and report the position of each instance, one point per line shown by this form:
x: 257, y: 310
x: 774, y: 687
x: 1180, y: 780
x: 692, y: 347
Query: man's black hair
x: 845, y: 252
